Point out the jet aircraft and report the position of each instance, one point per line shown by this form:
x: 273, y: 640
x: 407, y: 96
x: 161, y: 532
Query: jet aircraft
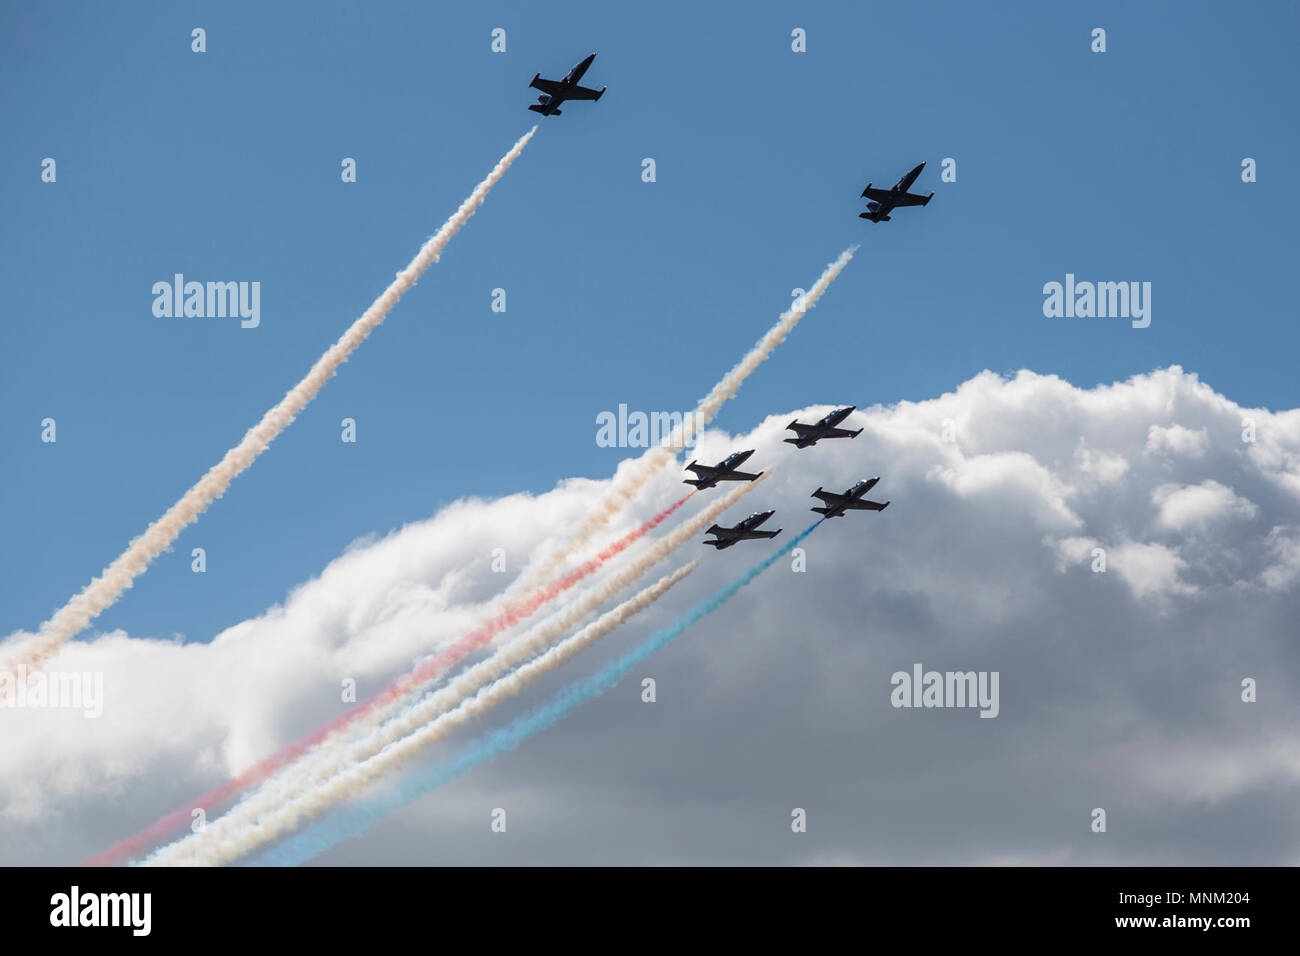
x: 743, y: 531
x: 812, y: 434
x: 555, y: 92
x: 851, y: 500
x: 706, y: 476
x: 883, y: 201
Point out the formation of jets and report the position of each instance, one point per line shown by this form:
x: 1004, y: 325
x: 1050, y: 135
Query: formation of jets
x: 833, y: 505
x: 881, y: 202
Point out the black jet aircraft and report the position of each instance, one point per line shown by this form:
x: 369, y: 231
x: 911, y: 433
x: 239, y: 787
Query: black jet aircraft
x: 555, y: 92
x: 885, y: 200
x: 851, y: 500
x: 743, y: 531
x: 706, y: 476
x: 812, y: 434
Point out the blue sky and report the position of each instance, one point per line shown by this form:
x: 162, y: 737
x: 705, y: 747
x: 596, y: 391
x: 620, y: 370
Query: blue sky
x: 225, y: 166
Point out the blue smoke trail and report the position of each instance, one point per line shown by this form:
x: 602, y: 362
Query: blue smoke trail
x: 352, y: 821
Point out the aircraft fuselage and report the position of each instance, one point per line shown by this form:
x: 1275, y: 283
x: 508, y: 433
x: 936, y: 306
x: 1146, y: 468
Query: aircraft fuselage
x: 573, y: 76
x: 905, y: 183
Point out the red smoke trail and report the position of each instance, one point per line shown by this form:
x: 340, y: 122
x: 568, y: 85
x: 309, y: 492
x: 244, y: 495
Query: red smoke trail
x: 427, y: 670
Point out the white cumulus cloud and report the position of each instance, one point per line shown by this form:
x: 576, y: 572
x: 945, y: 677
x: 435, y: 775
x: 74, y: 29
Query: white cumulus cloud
x: 1120, y: 688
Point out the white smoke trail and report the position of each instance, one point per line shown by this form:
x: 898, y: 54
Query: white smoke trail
x: 218, y: 848
x: 645, y: 468
x: 104, y: 590
x: 256, y: 816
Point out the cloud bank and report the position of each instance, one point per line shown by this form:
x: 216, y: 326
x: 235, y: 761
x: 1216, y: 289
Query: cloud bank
x: 1125, y: 556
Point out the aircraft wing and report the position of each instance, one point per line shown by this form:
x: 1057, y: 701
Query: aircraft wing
x: 707, y: 471
x: 800, y: 429
x: 724, y: 537
x: 859, y: 504
x: 879, y: 195
x: 739, y: 476
x: 552, y: 87
x: 911, y: 199
x: 750, y: 535
x: 830, y: 497
x: 839, y: 433
x: 583, y: 93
